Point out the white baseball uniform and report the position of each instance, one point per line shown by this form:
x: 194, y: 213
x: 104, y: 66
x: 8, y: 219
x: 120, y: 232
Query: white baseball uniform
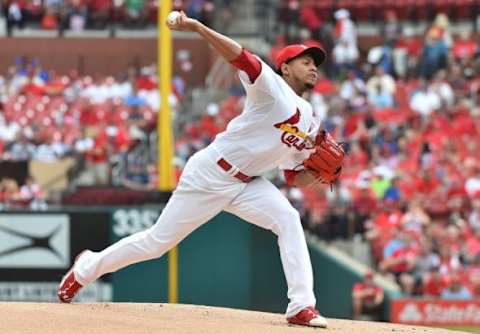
x: 253, y: 143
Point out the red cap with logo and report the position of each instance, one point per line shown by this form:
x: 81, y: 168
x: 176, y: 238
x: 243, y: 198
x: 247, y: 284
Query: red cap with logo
x: 292, y: 51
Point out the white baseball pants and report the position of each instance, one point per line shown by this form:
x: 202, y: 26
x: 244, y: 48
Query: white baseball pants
x: 203, y: 191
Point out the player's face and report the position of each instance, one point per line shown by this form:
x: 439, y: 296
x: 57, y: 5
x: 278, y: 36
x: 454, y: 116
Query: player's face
x: 304, y: 70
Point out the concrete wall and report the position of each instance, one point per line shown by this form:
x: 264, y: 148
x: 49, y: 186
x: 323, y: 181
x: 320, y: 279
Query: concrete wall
x: 106, y: 56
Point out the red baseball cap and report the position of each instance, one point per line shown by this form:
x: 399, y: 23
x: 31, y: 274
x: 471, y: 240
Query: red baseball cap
x: 292, y: 51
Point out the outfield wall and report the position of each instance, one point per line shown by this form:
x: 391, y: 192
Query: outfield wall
x: 226, y: 262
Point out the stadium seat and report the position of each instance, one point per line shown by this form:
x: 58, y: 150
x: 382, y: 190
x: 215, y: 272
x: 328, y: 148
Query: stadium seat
x: 421, y: 10
x: 465, y: 9
x: 403, y: 9
x: 324, y: 9
x: 362, y: 10
x: 443, y: 6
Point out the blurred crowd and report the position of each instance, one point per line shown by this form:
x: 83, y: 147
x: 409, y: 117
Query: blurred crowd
x: 411, y: 186
x: 408, y: 110
x: 317, y: 15
x: 14, y: 196
x: 46, y: 116
x: 78, y: 15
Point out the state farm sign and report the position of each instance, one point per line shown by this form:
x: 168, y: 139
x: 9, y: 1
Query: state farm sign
x: 435, y: 312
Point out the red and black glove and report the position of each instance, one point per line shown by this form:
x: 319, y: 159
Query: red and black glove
x: 326, y: 161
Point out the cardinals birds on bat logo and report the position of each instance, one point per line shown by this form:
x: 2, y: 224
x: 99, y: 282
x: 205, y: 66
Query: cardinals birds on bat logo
x: 292, y: 136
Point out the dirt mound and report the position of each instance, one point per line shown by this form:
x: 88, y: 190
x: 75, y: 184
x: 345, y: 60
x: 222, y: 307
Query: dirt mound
x: 127, y: 318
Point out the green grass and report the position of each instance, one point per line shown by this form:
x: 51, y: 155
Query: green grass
x: 466, y: 329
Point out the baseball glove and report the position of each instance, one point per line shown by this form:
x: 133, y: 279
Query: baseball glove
x: 326, y: 161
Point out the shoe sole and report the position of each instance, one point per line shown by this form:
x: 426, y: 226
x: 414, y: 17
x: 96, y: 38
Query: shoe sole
x: 307, y: 325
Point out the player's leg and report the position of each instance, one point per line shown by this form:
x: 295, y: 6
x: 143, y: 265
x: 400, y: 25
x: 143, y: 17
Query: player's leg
x: 185, y: 212
x: 262, y: 204
x: 198, y: 198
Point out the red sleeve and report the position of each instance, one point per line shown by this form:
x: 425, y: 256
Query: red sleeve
x: 290, y: 176
x: 249, y: 63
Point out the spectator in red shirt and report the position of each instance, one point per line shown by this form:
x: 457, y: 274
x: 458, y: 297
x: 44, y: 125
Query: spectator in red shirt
x: 475, y: 289
x: 118, y: 138
x: 209, y: 126
x: 412, y: 48
x: 324, y: 85
x: 367, y: 297
x: 49, y: 20
x: 456, y: 290
x: 97, y: 160
x: 144, y: 81
x: 100, y: 12
x: 310, y: 19
x: 401, y: 261
x: 473, y: 274
x: 472, y: 245
x: 356, y: 156
x: 464, y: 48
x: 434, y: 283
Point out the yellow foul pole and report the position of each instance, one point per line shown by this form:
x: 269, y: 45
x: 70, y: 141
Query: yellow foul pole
x: 164, y: 130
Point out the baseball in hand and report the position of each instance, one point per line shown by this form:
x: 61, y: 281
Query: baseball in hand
x: 172, y: 18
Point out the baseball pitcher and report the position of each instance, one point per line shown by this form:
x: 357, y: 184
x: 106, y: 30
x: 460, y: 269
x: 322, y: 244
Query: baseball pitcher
x: 275, y: 130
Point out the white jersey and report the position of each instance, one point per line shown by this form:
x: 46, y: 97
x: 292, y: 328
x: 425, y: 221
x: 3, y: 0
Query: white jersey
x: 270, y: 132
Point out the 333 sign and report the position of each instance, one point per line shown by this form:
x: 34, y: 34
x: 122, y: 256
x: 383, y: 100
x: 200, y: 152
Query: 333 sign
x: 130, y: 221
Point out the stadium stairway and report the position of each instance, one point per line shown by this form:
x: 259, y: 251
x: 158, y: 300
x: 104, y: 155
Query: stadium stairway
x: 356, y: 248
x: 335, y: 268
